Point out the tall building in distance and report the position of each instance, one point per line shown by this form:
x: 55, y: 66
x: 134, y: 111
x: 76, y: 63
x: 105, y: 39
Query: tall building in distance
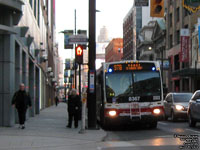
x: 136, y: 18
x: 114, y: 50
x: 101, y: 45
x: 103, y: 36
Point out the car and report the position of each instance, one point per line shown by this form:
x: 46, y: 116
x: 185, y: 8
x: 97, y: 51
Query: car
x: 194, y: 109
x: 176, y: 105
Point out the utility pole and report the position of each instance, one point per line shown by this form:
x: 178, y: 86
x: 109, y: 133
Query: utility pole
x: 75, y: 47
x: 91, y: 99
x: 162, y: 57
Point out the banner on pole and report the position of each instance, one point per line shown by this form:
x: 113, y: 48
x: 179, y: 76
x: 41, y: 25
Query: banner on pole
x: 184, y: 55
x: 67, y: 34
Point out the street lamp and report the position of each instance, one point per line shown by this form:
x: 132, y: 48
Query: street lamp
x: 150, y: 48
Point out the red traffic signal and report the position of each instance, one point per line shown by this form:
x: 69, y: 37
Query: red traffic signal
x: 79, y: 54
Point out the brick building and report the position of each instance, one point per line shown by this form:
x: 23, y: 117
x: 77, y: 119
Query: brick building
x: 114, y: 50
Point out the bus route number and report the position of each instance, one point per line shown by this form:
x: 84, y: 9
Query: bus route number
x: 134, y: 99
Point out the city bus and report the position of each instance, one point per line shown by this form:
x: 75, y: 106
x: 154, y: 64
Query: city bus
x: 129, y: 92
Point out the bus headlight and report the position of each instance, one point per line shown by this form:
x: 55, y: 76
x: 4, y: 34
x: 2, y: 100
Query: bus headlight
x: 179, y: 107
x: 112, y: 113
x: 156, y: 111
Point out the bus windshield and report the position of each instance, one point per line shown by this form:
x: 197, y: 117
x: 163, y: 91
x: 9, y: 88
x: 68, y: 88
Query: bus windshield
x: 125, y: 87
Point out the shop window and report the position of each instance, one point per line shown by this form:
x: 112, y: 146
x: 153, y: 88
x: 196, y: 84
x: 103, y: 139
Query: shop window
x: 178, y: 36
x: 177, y: 85
x: 176, y: 62
x: 177, y: 15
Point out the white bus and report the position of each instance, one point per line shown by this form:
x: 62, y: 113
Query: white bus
x: 129, y: 92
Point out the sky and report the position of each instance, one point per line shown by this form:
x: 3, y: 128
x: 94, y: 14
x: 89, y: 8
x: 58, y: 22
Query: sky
x: 111, y: 15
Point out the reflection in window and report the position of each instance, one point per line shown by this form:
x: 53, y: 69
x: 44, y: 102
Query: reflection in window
x: 124, y: 85
x: 118, y: 86
x: 146, y: 83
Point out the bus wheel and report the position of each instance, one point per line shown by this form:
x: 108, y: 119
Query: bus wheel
x: 153, y: 124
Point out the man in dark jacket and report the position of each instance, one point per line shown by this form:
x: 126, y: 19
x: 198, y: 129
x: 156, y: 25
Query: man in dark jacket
x: 21, y: 100
x: 73, y: 108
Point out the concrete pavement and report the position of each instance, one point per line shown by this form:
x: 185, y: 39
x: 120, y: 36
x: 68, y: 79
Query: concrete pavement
x: 47, y: 131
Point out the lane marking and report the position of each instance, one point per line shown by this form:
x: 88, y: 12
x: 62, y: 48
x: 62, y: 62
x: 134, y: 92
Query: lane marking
x: 113, y: 144
x: 165, y: 136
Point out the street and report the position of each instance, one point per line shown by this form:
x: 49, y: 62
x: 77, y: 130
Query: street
x: 141, y: 138
x: 47, y: 131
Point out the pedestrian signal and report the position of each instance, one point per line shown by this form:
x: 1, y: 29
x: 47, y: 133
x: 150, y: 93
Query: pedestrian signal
x: 79, y: 54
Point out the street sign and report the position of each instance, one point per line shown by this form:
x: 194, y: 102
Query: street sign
x: 78, y: 39
x: 141, y: 3
x: 92, y: 81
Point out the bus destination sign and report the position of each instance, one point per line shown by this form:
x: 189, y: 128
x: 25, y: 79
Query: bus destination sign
x: 131, y: 66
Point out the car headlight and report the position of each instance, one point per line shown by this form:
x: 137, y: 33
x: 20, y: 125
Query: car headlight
x: 156, y: 111
x: 179, y: 107
x: 112, y: 113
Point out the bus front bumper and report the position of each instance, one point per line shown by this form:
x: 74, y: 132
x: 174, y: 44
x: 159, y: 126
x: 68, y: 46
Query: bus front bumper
x: 134, y: 119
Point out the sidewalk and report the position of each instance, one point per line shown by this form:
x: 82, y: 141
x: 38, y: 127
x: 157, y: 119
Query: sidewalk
x: 47, y: 131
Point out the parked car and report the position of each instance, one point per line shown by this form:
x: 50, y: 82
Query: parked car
x: 176, y: 105
x: 194, y: 109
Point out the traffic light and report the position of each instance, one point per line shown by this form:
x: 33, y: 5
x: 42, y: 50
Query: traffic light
x: 157, y: 8
x: 79, y: 54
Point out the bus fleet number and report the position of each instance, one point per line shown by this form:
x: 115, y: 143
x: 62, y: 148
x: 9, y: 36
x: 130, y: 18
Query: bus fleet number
x: 134, y: 99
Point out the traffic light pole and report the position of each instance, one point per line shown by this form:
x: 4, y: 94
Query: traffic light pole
x: 91, y: 99
x: 79, y: 79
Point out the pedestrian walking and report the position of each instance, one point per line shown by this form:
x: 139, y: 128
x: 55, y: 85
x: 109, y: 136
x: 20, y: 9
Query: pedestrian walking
x: 56, y: 100
x: 21, y: 100
x: 73, y: 108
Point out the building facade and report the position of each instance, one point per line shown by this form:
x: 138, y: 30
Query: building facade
x: 183, y: 76
x: 133, y: 22
x: 26, y: 44
x: 151, y: 46
x: 114, y: 50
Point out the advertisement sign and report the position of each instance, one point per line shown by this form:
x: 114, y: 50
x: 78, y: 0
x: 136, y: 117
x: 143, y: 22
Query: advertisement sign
x: 67, y: 34
x: 184, y: 55
x: 67, y: 64
x: 191, y: 5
